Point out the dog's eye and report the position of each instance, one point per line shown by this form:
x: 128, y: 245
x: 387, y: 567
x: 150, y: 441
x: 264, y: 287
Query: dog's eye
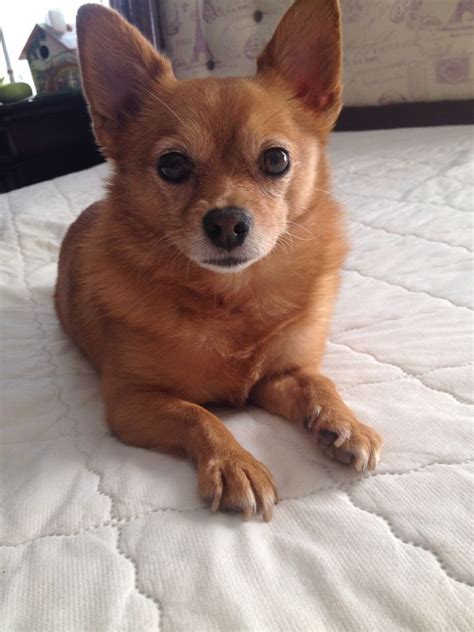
x: 276, y: 162
x: 174, y: 167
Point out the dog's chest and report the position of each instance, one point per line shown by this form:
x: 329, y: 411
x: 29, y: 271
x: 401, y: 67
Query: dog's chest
x: 229, y: 338
x: 217, y: 355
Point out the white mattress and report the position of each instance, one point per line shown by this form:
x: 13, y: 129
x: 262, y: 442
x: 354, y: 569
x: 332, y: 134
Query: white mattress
x: 97, y: 536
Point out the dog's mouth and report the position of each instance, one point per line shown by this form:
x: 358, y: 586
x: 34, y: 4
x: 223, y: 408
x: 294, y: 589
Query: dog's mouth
x: 226, y: 264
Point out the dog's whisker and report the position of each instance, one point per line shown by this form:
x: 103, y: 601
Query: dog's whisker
x: 163, y: 240
x: 305, y: 228
x: 323, y: 191
x: 283, y: 242
x: 163, y: 103
x: 150, y: 252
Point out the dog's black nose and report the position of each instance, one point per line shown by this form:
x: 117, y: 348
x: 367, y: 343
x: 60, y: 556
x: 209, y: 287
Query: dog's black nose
x: 227, y: 227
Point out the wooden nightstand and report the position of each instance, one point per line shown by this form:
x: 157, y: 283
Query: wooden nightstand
x: 44, y: 137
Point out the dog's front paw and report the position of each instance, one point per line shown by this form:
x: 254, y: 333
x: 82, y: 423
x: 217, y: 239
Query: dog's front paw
x: 237, y: 482
x: 343, y: 438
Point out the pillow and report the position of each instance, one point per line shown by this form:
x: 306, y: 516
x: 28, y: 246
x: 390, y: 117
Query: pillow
x: 394, y: 50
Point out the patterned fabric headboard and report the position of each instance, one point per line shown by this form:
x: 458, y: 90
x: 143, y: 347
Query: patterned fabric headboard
x: 395, y: 51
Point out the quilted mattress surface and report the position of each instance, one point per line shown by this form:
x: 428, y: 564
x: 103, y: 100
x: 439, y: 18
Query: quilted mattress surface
x: 97, y: 536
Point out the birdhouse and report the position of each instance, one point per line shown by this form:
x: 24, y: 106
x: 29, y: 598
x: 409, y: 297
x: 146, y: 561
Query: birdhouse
x: 53, y: 61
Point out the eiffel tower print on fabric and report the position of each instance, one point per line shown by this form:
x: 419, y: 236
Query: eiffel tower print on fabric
x: 200, y: 44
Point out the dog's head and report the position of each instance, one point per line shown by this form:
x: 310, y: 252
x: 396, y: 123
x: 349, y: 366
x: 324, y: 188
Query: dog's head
x: 215, y: 168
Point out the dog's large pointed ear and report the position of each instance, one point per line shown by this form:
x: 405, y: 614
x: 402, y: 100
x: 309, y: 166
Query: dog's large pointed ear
x: 305, y: 51
x: 119, y: 66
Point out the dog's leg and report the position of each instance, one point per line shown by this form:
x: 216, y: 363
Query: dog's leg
x: 310, y: 399
x: 229, y: 477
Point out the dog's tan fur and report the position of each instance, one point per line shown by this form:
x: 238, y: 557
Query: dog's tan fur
x: 169, y: 336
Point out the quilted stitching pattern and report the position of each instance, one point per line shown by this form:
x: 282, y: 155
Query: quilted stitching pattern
x: 118, y: 536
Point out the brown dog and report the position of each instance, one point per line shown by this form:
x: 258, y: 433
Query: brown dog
x: 210, y: 270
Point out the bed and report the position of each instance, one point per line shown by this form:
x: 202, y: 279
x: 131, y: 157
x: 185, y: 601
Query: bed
x: 98, y: 536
